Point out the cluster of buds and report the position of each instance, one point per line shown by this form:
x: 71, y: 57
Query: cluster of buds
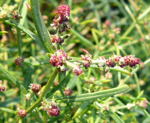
x: 51, y: 109
x: 60, y: 24
x: 2, y: 88
x: 63, y: 13
x: 123, y: 61
x: 58, y: 58
x: 22, y: 113
x: 68, y: 92
x: 110, y: 62
x: 35, y: 87
x: 19, y: 61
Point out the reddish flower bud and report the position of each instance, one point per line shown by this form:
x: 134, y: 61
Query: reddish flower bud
x: 110, y: 63
x: 57, y: 39
x: 2, y: 88
x: 107, y: 23
x: 58, y: 58
x: 68, y: 92
x: 86, y: 57
x: 19, y: 61
x: 53, y: 111
x: 117, y: 59
x: 35, y: 87
x: 87, y: 60
x: 86, y: 64
x: 22, y: 113
x: 78, y: 71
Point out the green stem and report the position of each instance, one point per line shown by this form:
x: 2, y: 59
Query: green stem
x: 45, y: 89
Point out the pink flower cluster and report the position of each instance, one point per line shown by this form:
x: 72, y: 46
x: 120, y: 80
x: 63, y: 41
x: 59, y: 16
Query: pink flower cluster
x: 123, y: 61
x: 63, y: 12
x: 58, y: 58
